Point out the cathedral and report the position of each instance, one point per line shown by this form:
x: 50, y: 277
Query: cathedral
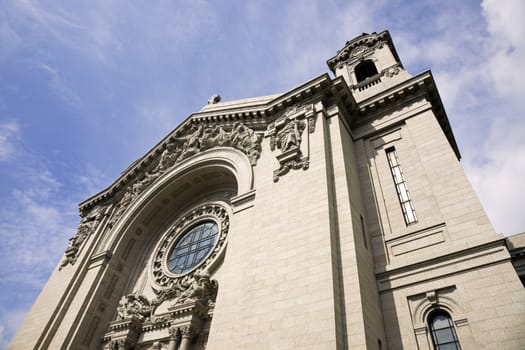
x: 333, y: 216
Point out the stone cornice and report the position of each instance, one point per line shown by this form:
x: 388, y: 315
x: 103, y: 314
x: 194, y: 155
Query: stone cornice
x: 256, y: 116
x: 491, y: 252
x: 420, y: 85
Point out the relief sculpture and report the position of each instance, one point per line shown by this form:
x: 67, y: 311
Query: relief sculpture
x: 189, y: 301
x: 186, y: 144
x: 286, y: 135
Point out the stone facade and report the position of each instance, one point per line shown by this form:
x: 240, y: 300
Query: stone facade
x: 334, y: 216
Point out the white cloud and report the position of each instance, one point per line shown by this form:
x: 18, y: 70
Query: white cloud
x: 309, y: 41
x: 59, y: 85
x: 507, y: 44
x: 496, y: 163
x: 105, y: 30
x: 91, y: 181
x: 9, y: 133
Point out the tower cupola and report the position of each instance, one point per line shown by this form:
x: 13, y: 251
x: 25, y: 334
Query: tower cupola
x: 369, y: 63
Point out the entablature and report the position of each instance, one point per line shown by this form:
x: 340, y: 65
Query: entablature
x: 227, y: 120
x: 420, y: 86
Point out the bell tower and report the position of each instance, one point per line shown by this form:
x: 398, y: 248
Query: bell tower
x: 369, y: 63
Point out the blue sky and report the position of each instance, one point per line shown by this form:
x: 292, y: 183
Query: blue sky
x: 86, y: 87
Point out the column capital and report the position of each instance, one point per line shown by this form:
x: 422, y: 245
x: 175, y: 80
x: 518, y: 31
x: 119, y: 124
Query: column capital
x: 189, y: 331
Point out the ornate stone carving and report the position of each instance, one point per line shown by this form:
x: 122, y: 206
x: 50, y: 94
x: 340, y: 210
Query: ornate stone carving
x: 184, y: 145
x: 202, y: 289
x: 158, y: 346
x: 175, y: 334
x: 116, y: 344
x: 133, y: 305
x: 88, y: 225
x: 296, y: 164
x: 391, y: 71
x: 358, y: 51
x: 189, y: 332
x: 170, y: 283
x: 119, y: 344
x: 286, y: 134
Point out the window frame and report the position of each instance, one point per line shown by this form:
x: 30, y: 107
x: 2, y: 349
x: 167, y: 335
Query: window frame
x: 403, y: 194
x: 194, y: 247
x: 436, y: 343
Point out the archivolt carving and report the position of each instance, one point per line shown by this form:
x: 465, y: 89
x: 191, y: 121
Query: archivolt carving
x: 286, y: 134
x: 88, y: 225
x: 197, y: 139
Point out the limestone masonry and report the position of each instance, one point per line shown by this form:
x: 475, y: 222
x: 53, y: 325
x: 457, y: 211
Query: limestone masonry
x: 333, y: 216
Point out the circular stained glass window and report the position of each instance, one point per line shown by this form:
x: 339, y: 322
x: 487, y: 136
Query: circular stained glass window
x: 194, y: 245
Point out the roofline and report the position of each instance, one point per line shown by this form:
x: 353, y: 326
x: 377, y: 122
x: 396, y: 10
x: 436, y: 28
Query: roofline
x: 257, y: 116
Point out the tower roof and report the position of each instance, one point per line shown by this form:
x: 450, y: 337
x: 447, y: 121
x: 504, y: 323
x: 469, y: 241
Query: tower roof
x: 359, y: 45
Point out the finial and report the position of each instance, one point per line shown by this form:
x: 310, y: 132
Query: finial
x: 215, y: 98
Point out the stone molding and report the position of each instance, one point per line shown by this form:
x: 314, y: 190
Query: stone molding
x: 422, y: 304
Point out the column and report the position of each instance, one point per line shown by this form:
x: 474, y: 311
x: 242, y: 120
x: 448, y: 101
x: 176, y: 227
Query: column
x: 187, y: 336
x: 174, y: 338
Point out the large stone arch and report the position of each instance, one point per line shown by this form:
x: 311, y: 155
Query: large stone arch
x: 216, y: 176
x: 219, y: 161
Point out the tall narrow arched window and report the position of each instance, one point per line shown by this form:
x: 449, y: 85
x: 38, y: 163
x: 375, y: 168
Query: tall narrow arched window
x: 442, y: 330
x: 365, y: 70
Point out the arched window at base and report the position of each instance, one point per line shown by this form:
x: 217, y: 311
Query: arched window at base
x: 442, y: 330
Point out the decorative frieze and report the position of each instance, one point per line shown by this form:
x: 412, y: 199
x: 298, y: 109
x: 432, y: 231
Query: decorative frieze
x: 286, y: 135
x: 183, y: 145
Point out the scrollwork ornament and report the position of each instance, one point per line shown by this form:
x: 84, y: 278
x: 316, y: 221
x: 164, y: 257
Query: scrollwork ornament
x: 296, y: 164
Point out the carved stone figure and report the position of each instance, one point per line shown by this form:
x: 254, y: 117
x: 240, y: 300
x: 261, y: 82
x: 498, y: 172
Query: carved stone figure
x: 246, y: 140
x: 220, y: 137
x: 192, y: 142
x: 286, y: 134
x: 201, y: 289
x: 123, y: 204
x: 290, y: 136
x: 168, y: 158
x: 158, y: 346
x: 133, y: 305
x: 117, y: 344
